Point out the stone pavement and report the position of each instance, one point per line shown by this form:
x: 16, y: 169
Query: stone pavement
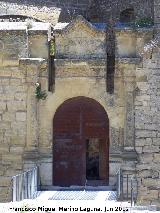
x: 77, y: 195
x: 89, y: 198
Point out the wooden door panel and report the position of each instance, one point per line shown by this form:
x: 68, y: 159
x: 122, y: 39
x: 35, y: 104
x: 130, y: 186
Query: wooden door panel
x: 68, y: 162
x: 75, y: 121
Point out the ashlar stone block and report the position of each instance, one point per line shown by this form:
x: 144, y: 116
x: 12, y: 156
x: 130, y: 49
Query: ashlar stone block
x: 5, y: 181
x: 21, y: 116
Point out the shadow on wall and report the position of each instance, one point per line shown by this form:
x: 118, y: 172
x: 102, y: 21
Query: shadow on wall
x: 105, y: 10
x: 92, y: 10
x: 127, y: 15
x: 68, y: 14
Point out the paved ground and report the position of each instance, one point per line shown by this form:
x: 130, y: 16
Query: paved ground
x: 88, y: 200
x: 77, y: 195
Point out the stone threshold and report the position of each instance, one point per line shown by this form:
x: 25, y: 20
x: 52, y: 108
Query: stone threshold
x: 77, y: 188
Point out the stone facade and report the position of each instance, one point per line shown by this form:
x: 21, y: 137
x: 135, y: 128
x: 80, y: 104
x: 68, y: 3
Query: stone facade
x: 147, y: 131
x: 17, y: 102
x: 80, y: 69
x: 26, y: 125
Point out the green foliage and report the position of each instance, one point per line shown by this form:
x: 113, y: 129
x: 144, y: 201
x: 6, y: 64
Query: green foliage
x: 40, y: 95
x: 139, y: 23
x: 52, y: 48
x: 144, y: 22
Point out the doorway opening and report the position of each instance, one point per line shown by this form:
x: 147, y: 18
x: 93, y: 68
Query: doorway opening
x: 92, y: 159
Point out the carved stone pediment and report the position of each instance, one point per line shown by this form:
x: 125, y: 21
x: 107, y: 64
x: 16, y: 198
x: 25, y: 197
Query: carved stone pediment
x: 81, y: 22
x: 80, y: 39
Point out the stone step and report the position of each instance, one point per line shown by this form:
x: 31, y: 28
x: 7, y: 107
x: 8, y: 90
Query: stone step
x: 102, y: 195
x: 109, y: 197
x: 73, y: 188
x: 46, y: 198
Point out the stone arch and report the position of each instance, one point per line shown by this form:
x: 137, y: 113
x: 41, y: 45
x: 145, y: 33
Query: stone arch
x: 127, y: 15
x: 57, y: 101
x: 80, y: 124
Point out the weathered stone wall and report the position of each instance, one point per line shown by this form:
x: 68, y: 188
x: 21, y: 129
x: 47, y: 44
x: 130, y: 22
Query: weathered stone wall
x: 157, y: 12
x: 145, y: 106
x: 12, y: 108
x: 102, y: 11
x: 85, y: 43
x: 141, y: 132
x: 18, y: 105
x: 38, y: 44
x: 13, y: 46
x: 54, y: 11
x: 13, y: 125
x: 147, y: 134
x: 18, y: 128
x: 130, y: 42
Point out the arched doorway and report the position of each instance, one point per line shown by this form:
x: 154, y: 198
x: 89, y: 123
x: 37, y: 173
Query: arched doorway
x: 80, y: 143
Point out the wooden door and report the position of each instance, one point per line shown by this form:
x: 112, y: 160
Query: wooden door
x: 76, y: 121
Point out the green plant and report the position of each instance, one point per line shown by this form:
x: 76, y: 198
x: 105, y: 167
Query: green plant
x: 144, y: 22
x: 52, y: 47
x: 40, y: 95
